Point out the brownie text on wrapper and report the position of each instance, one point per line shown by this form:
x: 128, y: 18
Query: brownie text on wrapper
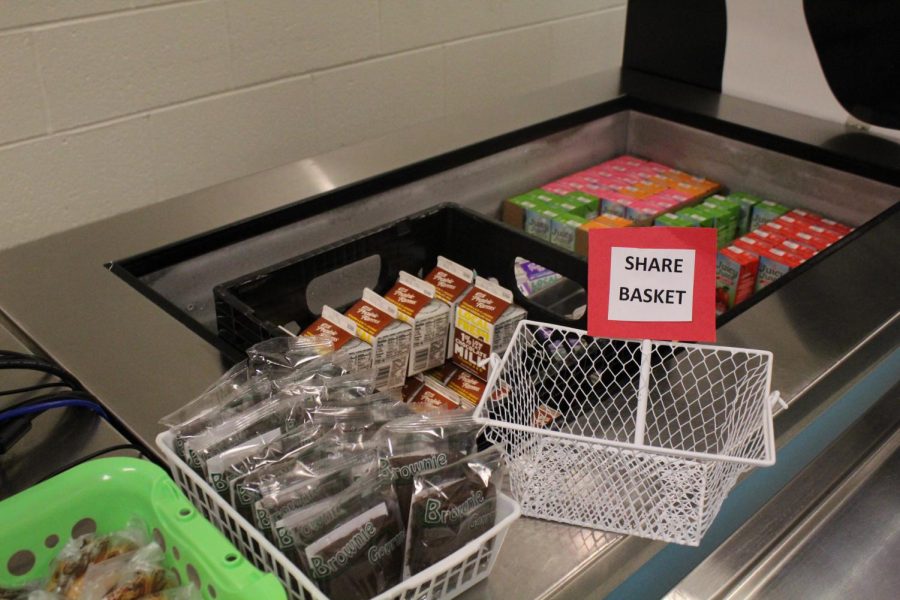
x: 485, y: 321
x: 451, y: 506
x: 350, y: 545
x: 377, y: 324
x: 423, y: 442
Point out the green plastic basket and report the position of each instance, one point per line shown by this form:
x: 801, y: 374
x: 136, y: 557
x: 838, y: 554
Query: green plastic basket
x: 103, y: 495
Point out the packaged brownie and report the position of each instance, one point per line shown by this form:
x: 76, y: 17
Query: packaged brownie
x: 350, y: 545
x: 230, y: 396
x: 264, y: 423
x: 451, y: 506
x: 257, y: 452
x: 295, y: 467
x: 321, y: 479
x: 422, y: 442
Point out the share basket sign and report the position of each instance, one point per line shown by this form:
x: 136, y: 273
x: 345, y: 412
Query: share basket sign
x: 652, y: 283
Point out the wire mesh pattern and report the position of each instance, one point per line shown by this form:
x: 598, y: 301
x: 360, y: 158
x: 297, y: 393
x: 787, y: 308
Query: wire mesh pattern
x: 442, y: 581
x: 643, y: 438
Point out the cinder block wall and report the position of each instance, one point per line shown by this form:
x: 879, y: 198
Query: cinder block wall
x: 108, y: 105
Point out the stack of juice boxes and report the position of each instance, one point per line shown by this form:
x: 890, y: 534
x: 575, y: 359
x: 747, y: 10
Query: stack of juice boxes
x: 621, y: 192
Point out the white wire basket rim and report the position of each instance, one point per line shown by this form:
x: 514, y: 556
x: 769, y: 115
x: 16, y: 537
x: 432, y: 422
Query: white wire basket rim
x: 771, y: 398
x: 506, y: 506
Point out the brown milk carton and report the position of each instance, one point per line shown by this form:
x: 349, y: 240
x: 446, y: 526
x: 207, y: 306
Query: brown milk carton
x: 467, y: 386
x: 377, y: 324
x: 485, y: 321
x: 434, y: 396
x: 343, y: 334
x: 451, y: 281
x: 429, y: 319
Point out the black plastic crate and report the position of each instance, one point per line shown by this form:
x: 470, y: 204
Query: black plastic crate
x: 250, y: 309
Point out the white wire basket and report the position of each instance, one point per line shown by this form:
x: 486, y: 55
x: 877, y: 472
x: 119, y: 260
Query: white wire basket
x: 444, y: 580
x: 637, y: 437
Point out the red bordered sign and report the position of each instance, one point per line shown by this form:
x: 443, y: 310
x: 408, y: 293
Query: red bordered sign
x: 652, y: 283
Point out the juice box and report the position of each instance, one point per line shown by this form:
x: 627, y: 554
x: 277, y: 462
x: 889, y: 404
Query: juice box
x: 451, y: 281
x: 824, y: 232
x: 485, y: 321
x: 773, y: 238
x: 614, y: 221
x: 613, y: 203
x: 815, y: 242
x: 532, y: 277
x: 736, y: 272
x: 558, y: 187
x: 725, y: 224
x: 564, y: 230
x: 819, y: 220
x: 434, y: 396
x: 673, y: 220
x: 467, y: 386
x: 539, y: 223
x: 700, y: 217
x: 765, y: 211
x: 774, y: 263
x: 802, y: 250
x: 781, y: 229
x: 428, y: 317
x: 746, y: 202
x: 751, y: 244
x: 566, y: 206
x: 516, y: 209
x: 343, y: 335
x: 391, y: 339
x: 589, y: 206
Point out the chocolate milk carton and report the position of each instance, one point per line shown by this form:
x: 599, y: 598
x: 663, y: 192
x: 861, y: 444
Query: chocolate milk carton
x: 451, y: 281
x: 485, y: 321
x: 377, y: 324
x: 429, y: 319
x: 343, y: 334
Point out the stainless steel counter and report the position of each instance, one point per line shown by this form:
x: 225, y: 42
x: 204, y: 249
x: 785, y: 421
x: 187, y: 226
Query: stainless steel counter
x: 827, y: 329
x: 834, y: 532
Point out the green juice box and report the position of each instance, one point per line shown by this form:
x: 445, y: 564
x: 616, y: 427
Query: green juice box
x: 564, y: 230
x: 588, y: 206
x: 766, y: 211
x: 746, y: 202
x: 673, y: 220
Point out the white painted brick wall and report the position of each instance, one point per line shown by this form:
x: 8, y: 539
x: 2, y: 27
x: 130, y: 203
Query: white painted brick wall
x: 108, y: 105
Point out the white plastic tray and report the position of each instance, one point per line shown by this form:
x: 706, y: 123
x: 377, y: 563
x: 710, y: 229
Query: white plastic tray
x: 444, y: 580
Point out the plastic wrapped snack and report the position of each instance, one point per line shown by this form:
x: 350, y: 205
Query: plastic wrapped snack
x: 451, y: 506
x: 127, y: 577
x: 214, y: 407
x: 258, y: 452
x: 350, y: 386
x: 264, y: 423
x: 22, y: 592
x: 350, y: 545
x: 68, y: 569
x: 422, y: 442
x: 323, y: 478
x: 279, y: 357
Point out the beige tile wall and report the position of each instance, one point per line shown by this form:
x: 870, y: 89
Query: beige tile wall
x: 108, y: 105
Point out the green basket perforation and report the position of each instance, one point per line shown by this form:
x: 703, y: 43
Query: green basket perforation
x: 104, y: 494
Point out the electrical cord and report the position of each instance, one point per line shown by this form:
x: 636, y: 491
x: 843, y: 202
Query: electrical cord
x: 40, y: 407
x: 32, y: 388
x: 42, y: 366
x: 62, y: 395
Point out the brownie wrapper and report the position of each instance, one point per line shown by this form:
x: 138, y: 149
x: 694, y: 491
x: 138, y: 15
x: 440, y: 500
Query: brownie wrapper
x: 444, y: 519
